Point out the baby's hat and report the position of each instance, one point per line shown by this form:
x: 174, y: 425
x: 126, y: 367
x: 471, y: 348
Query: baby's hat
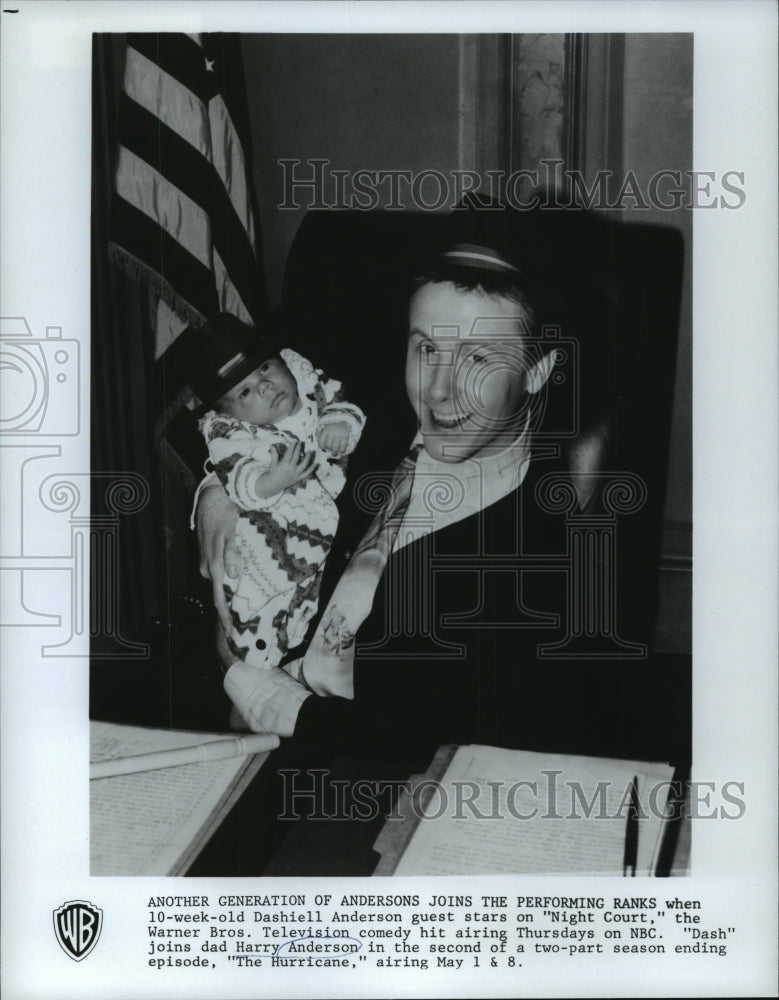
x: 216, y: 356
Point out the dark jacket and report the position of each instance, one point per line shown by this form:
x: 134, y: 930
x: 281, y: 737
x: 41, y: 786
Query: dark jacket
x: 451, y: 651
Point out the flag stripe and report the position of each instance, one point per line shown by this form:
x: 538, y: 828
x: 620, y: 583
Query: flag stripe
x: 151, y: 247
x: 188, y: 171
x: 226, y: 50
x: 229, y: 299
x: 181, y: 56
x: 154, y: 195
x: 229, y: 162
x: 185, y: 213
x: 169, y: 154
x: 163, y: 96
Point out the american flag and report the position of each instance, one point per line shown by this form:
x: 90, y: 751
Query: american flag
x: 184, y: 216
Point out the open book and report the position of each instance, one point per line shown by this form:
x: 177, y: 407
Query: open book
x: 483, y: 810
x: 155, y: 820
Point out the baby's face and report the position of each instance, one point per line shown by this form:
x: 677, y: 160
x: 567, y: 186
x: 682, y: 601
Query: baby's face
x: 265, y: 396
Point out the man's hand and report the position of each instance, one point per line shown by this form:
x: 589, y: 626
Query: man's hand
x: 216, y: 519
x: 334, y: 438
x: 293, y: 467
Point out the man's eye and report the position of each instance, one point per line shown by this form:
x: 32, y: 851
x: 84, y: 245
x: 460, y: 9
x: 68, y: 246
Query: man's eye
x: 244, y: 393
x: 427, y: 349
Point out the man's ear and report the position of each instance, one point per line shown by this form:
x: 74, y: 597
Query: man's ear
x: 540, y: 372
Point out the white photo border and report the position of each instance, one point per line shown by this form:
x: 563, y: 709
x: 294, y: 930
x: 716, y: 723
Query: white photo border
x: 45, y: 241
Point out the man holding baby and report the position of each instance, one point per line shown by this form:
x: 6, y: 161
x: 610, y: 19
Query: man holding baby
x: 433, y: 632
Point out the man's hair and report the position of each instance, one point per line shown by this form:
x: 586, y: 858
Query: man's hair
x: 513, y: 284
x: 577, y: 308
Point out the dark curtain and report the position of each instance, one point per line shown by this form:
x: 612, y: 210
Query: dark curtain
x: 124, y: 406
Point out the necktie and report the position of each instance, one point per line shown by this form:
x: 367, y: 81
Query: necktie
x: 327, y: 667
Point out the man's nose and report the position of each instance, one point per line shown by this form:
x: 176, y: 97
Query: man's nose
x: 442, y: 383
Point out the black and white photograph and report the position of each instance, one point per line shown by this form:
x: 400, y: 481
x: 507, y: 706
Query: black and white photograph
x: 436, y: 354
x: 387, y: 523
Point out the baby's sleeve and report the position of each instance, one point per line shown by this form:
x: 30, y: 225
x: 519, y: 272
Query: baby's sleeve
x: 238, y: 458
x: 328, y: 395
x: 337, y: 410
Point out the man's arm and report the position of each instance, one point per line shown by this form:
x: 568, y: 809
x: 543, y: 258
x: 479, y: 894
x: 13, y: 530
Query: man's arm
x: 216, y: 517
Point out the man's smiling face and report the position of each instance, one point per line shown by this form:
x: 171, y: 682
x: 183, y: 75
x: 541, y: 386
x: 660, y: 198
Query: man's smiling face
x: 468, y: 371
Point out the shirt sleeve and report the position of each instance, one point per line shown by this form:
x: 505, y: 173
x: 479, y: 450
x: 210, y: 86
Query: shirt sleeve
x: 238, y: 458
x: 339, y: 411
x: 210, y: 479
x: 274, y: 701
x: 328, y: 395
x: 336, y: 410
x: 269, y: 700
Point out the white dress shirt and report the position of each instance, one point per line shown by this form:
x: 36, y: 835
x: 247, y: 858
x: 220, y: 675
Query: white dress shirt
x: 446, y: 492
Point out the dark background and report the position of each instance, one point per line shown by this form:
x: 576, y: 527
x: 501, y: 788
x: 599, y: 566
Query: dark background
x: 415, y: 103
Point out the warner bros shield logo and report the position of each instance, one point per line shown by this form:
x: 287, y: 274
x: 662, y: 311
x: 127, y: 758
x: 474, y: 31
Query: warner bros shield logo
x: 77, y: 925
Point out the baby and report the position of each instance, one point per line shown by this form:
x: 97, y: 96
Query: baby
x: 278, y: 432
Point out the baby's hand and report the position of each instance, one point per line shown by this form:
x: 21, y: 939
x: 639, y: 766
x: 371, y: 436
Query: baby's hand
x: 334, y: 438
x: 293, y: 467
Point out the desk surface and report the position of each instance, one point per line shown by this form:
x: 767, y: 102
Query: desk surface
x: 338, y: 847
x: 673, y: 859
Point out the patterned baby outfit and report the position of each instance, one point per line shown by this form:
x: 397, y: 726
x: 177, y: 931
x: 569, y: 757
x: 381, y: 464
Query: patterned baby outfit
x: 283, y: 539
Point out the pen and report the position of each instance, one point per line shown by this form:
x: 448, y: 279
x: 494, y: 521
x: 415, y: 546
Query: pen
x: 631, y: 832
